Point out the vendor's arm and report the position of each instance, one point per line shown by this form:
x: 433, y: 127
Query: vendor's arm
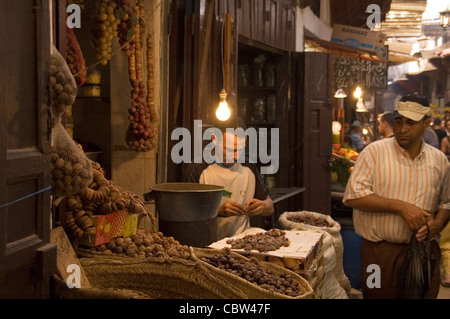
x: 259, y: 207
x: 414, y: 216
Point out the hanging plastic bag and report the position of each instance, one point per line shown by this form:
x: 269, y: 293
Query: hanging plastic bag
x: 63, y: 87
x: 415, y: 274
x: 71, y: 169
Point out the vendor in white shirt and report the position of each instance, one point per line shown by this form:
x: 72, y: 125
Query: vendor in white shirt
x: 245, y: 192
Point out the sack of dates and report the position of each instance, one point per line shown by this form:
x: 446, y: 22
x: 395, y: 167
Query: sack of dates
x: 318, y: 221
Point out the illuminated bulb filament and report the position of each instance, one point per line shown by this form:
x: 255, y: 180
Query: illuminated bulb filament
x: 223, y: 111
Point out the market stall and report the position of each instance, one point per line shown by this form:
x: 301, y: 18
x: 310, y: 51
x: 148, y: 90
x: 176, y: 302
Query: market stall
x: 120, y: 247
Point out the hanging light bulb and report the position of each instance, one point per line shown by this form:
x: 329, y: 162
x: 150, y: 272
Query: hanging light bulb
x: 358, y: 92
x: 223, y: 111
x: 336, y: 127
x: 360, y: 107
x: 340, y: 94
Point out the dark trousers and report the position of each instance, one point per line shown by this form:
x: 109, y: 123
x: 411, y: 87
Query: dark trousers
x: 389, y: 257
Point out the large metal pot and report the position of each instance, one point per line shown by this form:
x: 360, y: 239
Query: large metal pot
x: 186, y: 202
x: 187, y: 211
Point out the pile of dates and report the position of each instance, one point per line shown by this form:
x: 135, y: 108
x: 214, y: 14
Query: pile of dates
x: 309, y: 221
x: 270, y: 240
x: 146, y: 244
x: 254, y: 273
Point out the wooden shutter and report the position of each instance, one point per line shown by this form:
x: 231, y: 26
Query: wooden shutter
x: 27, y: 260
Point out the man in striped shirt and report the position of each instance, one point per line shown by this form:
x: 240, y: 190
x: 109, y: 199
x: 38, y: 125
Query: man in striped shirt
x: 397, y: 187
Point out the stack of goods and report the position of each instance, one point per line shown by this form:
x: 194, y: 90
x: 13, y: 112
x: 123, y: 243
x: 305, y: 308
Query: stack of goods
x: 336, y: 284
x: 101, y: 212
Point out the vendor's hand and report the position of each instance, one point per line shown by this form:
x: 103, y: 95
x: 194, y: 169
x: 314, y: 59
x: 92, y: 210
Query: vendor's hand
x: 254, y: 207
x: 414, y: 216
x: 434, y: 228
x: 230, y: 208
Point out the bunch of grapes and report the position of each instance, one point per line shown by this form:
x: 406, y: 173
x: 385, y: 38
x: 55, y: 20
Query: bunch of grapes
x: 106, y: 29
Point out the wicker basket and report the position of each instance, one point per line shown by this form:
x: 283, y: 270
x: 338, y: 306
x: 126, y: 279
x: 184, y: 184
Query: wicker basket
x: 61, y: 291
x: 159, y: 278
x: 250, y: 290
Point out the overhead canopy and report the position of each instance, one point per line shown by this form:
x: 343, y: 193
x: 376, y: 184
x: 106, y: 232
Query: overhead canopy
x: 341, y: 50
x: 395, y: 57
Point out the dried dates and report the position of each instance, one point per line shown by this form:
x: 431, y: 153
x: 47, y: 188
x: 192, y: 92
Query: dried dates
x: 256, y: 274
x: 263, y: 242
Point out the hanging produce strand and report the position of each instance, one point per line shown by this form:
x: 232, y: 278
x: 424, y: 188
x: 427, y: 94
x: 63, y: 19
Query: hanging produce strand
x: 141, y: 131
x: 106, y: 30
x: 124, y: 19
x: 75, y: 59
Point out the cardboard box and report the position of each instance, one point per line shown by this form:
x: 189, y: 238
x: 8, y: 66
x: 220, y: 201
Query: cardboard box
x: 305, y: 246
x: 109, y: 226
x: 359, y: 38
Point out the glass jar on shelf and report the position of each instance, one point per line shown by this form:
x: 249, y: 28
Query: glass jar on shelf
x: 243, y: 107
x: 243, y: 75
x: 258, y: 70
x: 270, y: 75
x: 91, y: 90
x: 271, y: 108
x: 93, y: 77
x: 259, y: 109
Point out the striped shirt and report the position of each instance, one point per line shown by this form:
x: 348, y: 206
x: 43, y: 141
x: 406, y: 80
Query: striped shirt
x: 386, y: 169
